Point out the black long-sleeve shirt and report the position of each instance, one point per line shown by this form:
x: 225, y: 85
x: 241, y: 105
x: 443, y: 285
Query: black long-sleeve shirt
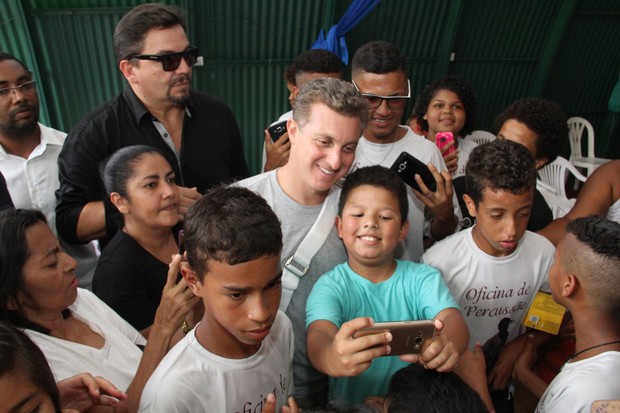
x: 211, y: 153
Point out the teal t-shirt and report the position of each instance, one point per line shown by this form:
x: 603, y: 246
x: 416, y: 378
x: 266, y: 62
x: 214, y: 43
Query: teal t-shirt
x: 414, y: 292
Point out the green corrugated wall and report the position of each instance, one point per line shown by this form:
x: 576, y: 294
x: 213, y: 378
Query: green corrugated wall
x: 564, y: 50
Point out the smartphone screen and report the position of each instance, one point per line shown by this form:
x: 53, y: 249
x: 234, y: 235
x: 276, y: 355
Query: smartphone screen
x: 407, y: 166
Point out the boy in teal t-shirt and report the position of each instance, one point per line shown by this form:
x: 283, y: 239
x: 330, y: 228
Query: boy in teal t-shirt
x: 371, y: 287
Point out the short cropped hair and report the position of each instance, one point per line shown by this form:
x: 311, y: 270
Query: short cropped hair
x: 594, y: 255
x: 417, y: 389
x: 317, y: 61
x: 380, y: 177
x: 456, y: 85
x: 543, y: 117
x: 132, y: 28
x: 379, y: 57
x: 499, y: 165
x: 20, y: 356
x: 338, y: 95
x: 5, y: 56
x: 232, y: 225
x: 121, y: 166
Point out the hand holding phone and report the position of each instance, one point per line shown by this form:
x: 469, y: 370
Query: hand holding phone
x: 442, y: 139
x: 408, y: 337
x: 277, y: 130
x: 407, y: 166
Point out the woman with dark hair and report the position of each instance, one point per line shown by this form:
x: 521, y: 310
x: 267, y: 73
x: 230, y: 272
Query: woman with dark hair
x: 75, y: 330
x: 133, y: 267
x: 27, y: 383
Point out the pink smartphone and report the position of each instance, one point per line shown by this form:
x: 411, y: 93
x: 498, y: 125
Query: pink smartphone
x: 442, y: 139
x: 408, y: 337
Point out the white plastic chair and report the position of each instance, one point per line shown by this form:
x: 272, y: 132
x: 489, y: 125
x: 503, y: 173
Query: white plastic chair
x: 576, y: 128
x: 551, y: 183
x: 481, y: 136
x: 554, y: 174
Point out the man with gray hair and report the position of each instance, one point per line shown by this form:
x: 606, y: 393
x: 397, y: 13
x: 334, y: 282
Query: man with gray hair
x: 328, y: 119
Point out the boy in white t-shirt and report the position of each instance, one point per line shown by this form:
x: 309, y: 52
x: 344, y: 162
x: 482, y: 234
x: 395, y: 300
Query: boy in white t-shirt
x: 495, y: 268
x: 242, y: 350
x: 586, y: 280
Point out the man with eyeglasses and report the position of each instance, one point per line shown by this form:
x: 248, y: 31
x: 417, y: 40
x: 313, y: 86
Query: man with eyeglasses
x: 29, y: 156
x: 379, y: 72
x: 197, y: 132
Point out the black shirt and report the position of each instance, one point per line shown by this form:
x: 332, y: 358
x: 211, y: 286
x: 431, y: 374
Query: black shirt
x: 211, y: 153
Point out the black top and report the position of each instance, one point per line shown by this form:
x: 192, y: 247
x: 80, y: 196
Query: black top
x: 130, y: 280
x: 540, y: 217
x: 211, y: 153
x: 5, y: 197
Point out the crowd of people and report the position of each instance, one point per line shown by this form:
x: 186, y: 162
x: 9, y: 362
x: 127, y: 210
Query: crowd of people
x: 143, y: 270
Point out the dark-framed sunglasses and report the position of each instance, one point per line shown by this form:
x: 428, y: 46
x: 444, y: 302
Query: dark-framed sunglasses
x: 393, y: 102
x: 171, y: 61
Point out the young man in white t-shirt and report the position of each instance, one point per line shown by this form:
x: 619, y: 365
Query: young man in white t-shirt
x: 242, y: 349
x: 495, y: 268
x: 586, y: 280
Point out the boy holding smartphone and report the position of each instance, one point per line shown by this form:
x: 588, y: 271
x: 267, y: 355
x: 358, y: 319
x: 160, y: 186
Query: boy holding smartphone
x: 495, y: 268
x: 242, y: 349
x: 371, y: 287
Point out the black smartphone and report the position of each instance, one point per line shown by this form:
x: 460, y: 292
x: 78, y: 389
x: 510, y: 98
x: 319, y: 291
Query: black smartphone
x: 407, y: 166
x: 408, y: 337
x: 181, y: 243
x: 277, y: 130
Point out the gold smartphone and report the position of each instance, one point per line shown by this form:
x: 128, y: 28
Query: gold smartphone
x: 408, y: 337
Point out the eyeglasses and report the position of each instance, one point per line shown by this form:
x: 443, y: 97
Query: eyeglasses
x: 26, y: 87
x: 171, y: 61
x: 393, y: 102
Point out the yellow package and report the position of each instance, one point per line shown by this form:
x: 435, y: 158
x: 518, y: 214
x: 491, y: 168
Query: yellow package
x: 544, y: 314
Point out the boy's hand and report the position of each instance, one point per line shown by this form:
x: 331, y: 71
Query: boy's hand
x: 338, y: 353
x: 440, y: 354
x: 270, y: 405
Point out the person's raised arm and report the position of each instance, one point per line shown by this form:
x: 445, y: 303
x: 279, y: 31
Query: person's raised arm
x: 338, y: 353
x: 176, y: 302
x: 276, y: 152
x: 601, y: 190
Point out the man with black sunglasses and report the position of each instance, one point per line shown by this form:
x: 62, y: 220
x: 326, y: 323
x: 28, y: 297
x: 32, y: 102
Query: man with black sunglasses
x: 379, y: 73
x: 197, y: 132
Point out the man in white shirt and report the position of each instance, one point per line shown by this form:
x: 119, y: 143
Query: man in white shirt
x: 379, y: 72
x: 29, y: 153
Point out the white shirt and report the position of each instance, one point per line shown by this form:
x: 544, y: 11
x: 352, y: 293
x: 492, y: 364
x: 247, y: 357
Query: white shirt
x: 369, y: 153
x: 117, y: 361
x: 32, y: 183
x: 192, y: 379
x: 582, y: 382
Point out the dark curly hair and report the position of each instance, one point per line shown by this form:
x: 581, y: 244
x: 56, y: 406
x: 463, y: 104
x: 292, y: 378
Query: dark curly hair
x: 543, y: 117
x: 499, y: 165
x: 456, y: 85
x: 380, y: 177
